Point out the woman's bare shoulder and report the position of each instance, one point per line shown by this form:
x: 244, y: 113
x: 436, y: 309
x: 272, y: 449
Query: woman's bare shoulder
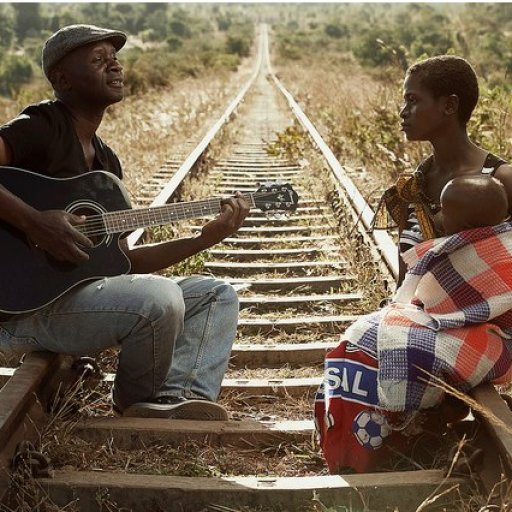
x: 504, y: 172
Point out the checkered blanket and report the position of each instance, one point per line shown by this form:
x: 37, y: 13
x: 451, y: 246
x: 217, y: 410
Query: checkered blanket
x: 451, y: 318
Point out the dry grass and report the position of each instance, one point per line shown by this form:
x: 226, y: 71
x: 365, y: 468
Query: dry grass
x: 267, y: 407
x: 279, y: 337
x: 339, y: 97
x: 146, y: 130
x: 189, y: 459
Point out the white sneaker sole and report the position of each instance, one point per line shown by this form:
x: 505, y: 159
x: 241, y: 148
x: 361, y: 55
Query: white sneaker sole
x: 187, y: 410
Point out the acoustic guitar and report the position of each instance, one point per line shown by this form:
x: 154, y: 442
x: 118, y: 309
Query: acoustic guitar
x: 31, y: 278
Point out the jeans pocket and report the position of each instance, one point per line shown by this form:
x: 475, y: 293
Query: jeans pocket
x: 17, y: 344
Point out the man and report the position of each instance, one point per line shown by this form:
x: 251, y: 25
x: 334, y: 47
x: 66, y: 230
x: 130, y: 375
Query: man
x: 175, y: 335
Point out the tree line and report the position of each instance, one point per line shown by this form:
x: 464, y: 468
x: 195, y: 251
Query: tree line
x: 383, y: 35
x: 175, y: 40
x: 168, y: 40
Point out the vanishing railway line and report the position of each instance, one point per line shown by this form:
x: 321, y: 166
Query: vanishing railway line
x: 297, y: 292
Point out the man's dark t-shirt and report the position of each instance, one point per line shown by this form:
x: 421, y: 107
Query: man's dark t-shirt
x: 43, y: 139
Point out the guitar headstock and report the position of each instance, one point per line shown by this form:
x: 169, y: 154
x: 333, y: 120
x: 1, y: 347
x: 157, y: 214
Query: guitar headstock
x: 276, y: 197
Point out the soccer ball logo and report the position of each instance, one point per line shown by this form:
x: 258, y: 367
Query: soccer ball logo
x: 370, y: 429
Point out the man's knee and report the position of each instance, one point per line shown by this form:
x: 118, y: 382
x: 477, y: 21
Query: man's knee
x: 226, y: 293
x: 207, y: 290
x: 161, y: 297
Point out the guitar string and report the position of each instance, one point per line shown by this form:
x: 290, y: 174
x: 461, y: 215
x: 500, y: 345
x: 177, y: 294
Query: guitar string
x: 95, y: 224
x: 195, y: 208
x: 114, y: 219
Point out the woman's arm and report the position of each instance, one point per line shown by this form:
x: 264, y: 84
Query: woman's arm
x: 402, y: 269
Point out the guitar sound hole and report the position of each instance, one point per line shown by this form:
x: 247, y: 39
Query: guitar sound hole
x: 94, y: 228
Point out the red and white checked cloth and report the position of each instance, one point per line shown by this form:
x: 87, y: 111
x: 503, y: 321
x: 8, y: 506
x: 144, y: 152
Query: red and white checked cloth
x: 451, y: 318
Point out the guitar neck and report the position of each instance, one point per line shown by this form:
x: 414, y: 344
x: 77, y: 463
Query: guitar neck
x: 129, y: 220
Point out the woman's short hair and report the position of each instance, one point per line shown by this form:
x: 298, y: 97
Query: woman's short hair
x: 448, y: 74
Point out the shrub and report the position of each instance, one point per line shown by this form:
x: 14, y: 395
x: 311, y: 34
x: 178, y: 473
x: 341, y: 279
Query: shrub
x: 15, y: 70
x: 226, y: 61
x: 336, y: 31
x: 174, y: 43
x: 180, y: 29
x: 491, y: 121
x: 239, y: 44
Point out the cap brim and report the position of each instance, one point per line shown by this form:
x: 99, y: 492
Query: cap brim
x: 118, y: 39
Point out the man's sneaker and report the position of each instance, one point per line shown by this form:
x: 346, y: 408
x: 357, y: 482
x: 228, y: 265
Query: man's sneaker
x: 177, y: 408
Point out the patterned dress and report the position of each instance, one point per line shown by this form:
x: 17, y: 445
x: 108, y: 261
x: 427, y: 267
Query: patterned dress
x: 372, y: 402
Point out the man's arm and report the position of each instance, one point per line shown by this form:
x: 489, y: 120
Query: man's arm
x: 51, y: 230
x: 151, y: 258
x: 12, y: 209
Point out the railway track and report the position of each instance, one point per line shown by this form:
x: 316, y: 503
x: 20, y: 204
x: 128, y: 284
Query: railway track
x: 300, y: 280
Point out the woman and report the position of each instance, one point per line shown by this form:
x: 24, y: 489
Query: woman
x: 377, y: 391
x: 440, y: 94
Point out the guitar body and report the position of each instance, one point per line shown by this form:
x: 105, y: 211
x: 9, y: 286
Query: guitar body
x: 30, y: 278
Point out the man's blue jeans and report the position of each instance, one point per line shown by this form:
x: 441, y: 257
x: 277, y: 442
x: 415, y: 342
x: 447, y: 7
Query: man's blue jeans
x: 175, y: 335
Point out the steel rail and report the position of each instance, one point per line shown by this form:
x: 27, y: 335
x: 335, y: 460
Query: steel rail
x: 382, y: 240
x: 192, y: 159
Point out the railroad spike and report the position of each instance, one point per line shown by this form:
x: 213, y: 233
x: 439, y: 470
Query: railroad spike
x: 30, y: 461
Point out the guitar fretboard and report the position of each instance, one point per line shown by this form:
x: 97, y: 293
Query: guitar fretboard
x: 128, y: 220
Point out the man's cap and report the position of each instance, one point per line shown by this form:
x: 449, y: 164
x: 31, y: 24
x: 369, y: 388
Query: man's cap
x: 68, y: 38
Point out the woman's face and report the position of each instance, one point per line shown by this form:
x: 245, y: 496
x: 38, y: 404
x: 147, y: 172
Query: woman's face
x: 423, y: 116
